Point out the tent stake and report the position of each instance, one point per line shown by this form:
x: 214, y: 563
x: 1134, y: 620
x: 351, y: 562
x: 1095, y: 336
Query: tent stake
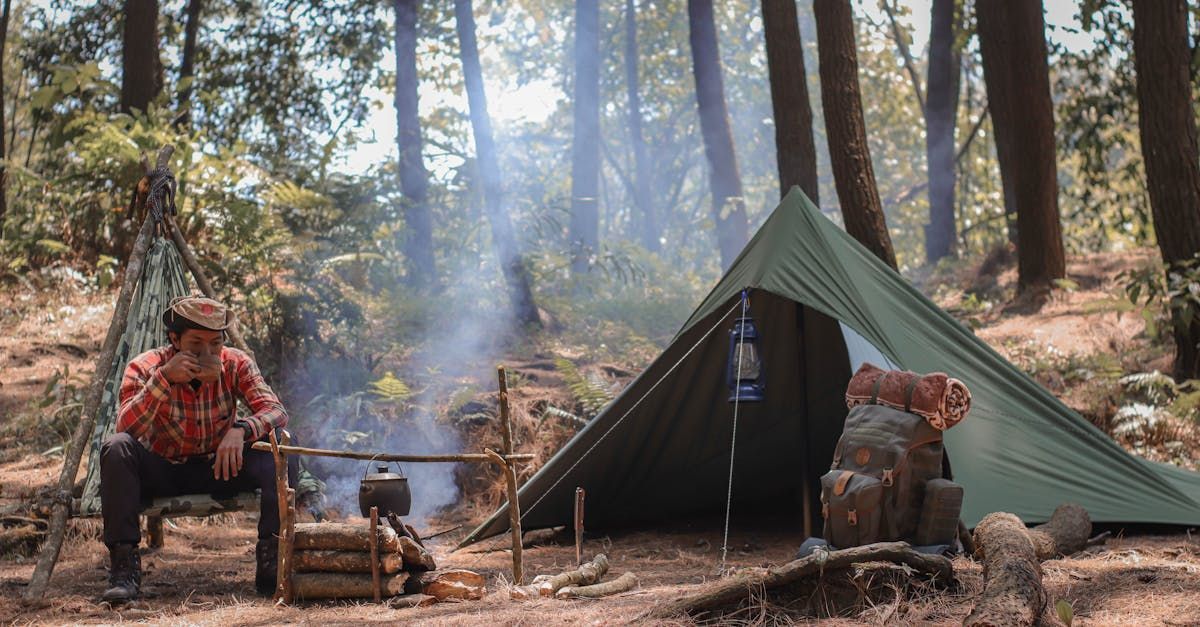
x: 510, y: 476
x: 95, y: 392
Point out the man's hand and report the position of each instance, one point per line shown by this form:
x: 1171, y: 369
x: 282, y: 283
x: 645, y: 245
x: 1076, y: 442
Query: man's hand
x: 183, y: 367
x: 229, y: 454
x: 210, y: 368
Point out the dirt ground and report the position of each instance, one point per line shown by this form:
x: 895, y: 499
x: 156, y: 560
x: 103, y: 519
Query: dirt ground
x: 204, y: 573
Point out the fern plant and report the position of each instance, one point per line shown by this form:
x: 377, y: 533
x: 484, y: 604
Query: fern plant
x: 390, y: 389
x: 591, y: 394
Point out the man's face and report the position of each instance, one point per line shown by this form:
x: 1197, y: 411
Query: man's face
x: 200, y: 342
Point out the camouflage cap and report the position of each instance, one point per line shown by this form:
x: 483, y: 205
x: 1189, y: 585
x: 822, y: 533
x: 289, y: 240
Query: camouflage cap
x: 203, y: 312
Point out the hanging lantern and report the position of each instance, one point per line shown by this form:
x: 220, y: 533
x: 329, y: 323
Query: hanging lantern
x: 745, y: 375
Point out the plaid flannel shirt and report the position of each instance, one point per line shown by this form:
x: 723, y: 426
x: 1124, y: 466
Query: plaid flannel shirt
x: 177, y: 422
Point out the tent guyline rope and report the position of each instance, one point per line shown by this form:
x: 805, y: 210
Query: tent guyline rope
x: 630, y: 410
x: 737, y: 388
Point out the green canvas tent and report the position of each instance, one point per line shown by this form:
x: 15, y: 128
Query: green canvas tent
x: 823, y: 304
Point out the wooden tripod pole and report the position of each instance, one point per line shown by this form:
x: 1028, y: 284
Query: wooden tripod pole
x: 91, y: 402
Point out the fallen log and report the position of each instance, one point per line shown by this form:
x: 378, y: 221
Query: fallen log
x: 323, y: 561
x: 1065, y: 533
x: 345, y: 585
x: 589, y: 573
x: 1012, y: 575
x: 524, y: 593
x: 739, y: 587
x: 624, y: 583
x: 416, y: 558
x: 447, y: 584
x: 344, y: 537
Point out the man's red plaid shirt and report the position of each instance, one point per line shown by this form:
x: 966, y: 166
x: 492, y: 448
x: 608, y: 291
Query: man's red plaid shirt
x: 176, y: 421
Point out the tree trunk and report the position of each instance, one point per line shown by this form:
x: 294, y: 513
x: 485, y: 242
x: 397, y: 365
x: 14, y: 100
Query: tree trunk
x: 585, y: 145
x: 3, y: 118
x: 187, y: 70
x: 643, y: 198
x: 516, y: 276
x: 847, y: 132
x: 795, y: 150
x: 728, y: 204
x: 414, y: 180
x: 940, y: 111
x: 1168, y: 132
x: 142, y: 79
x: 1013, y: 45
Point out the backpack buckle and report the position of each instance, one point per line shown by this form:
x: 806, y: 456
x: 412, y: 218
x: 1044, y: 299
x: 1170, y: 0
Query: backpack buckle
x: 887, y: 479
x: 852, y: 518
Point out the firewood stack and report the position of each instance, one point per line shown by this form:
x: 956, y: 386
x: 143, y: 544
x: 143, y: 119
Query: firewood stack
x: 343, y: 561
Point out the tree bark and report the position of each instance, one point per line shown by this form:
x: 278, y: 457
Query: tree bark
x: 849, y: 153
x: 345, y: 585
x: 1168, y: 132
x: 643, y: 198
x: 414, y: 180
x: 795, y: 150
x: 585, y: 144
x: 587, y: 574
x: 1013, y: 45
x: 940, y: 112
x: 317, y: 561
x: 187, y: 69
x: 624, y: 583
x: 1066, y: 532
x: 142, y: 79
x: 3, y: 118
x: 343, y: 537
x: 516, y: 275
x: 725, y: 181
x: 1012, y: 574
x: 448, y: 584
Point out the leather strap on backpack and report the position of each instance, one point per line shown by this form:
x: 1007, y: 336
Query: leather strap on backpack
x: 876, y: 386
x: 908, y: 393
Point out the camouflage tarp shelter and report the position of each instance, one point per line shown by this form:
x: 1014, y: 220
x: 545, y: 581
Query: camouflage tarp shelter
x: 823, y: 304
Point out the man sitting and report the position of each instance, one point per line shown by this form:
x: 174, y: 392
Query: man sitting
x: 178, y: 433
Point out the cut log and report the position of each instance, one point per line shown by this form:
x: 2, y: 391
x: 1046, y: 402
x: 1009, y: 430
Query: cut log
x: 322, y: 561
x: 345, y: 585
x: 411, y: 600
x: 448, y: 584
x: 739, y: 587
x: 1012, y: 574
x: 624, y: 583
x: 1067, y: 532
x: 416, y: 558
x: 524, y: 593
x: 587, y: 574
x: 344, y: 537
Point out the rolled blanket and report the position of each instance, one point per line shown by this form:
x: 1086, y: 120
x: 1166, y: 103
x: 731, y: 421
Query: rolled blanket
x: 936, y: 397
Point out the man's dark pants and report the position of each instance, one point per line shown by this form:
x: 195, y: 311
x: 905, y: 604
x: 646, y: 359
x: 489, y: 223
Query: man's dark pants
x: 131, y: 475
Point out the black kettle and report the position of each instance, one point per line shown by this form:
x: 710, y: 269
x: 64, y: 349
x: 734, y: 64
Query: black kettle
x: 386, y: 490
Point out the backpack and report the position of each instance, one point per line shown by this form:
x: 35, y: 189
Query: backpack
x: 887, y: 471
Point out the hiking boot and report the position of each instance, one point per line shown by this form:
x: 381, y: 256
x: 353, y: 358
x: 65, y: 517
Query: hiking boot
x: 124, y: 574
x: 266, y: 556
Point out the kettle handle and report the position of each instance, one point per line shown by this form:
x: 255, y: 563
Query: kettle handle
x: 372, y: 460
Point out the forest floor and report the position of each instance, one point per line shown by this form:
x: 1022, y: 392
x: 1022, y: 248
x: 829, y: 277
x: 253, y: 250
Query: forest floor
x: 1077, y: 345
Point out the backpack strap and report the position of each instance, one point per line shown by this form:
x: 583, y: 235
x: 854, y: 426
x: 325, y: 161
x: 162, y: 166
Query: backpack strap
x: 875, y: 388
x: 908, y: 393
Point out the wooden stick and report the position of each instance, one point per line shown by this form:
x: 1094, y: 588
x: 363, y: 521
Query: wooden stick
x: 154, y: 529
x: 505, y: 424
x: 624, y: 583
x: 91, y: 404
x: 281, y: 487
x: 731, y: 590
x: 287, y: 551
x: 514, y: 513
x: 189, y: 260
x: 579, y: 494
x: 587, y: 574
x: 375, y: 554
x: 384, y: 457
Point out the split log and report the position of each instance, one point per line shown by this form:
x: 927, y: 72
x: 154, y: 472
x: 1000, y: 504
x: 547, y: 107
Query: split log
x: 739, y: 587
x: 343, y: 537
x: 587, y: 574
x: 624, y: 583
x: 1066, y: 532
x: 416, y: 558
x: 405, y: 601
x: 321, y: 561
x: 1012, y: 575
x: 447, y: 584
x: 345, y: 585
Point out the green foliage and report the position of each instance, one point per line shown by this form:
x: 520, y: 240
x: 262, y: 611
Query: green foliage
x: 591, y: 394
x: 1065, y: 611
x: 390, y: 389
